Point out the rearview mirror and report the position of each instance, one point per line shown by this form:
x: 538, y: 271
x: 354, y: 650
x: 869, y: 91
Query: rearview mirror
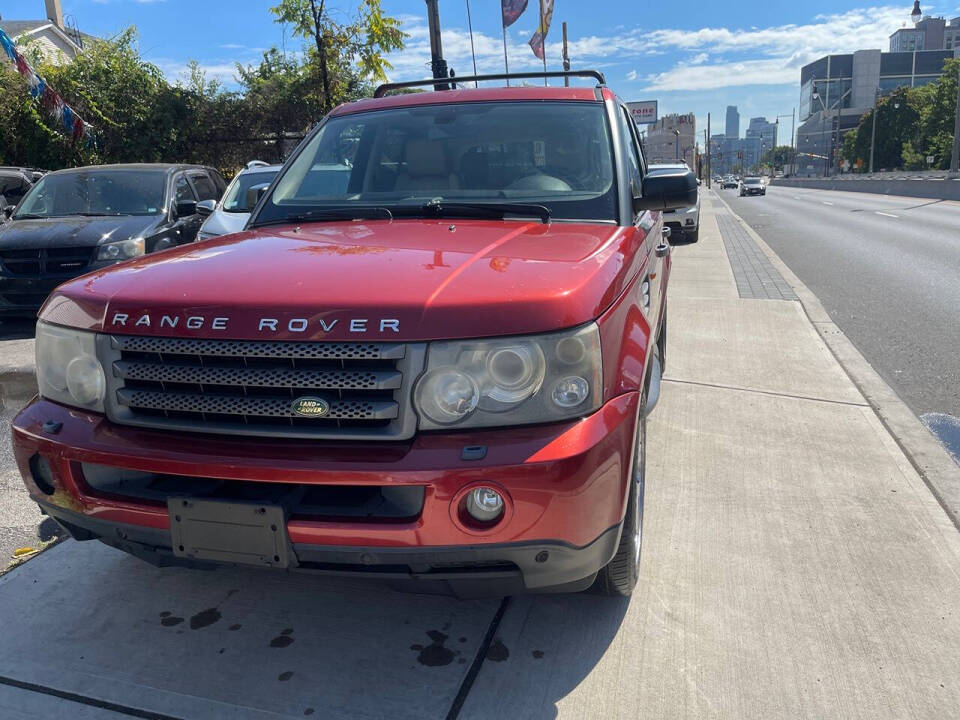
x: 254, y: 193
x: 206, y: 207
x: 185, y: 208
x: 667, y: 190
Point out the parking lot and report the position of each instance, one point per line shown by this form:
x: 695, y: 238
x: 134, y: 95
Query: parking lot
x: 794, y: 564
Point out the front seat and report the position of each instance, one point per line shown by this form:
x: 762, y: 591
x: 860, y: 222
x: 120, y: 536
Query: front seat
x: 425, y: 168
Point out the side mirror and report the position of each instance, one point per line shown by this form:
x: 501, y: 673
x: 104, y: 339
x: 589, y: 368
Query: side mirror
x: 698, y: 182
x: 254, y: 193
x: 185, y: 208
x: 205, y: 208
x: 667, y: 190
x: 8, y: 211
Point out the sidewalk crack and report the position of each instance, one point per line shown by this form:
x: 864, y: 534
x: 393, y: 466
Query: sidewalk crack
x: 772, y: 393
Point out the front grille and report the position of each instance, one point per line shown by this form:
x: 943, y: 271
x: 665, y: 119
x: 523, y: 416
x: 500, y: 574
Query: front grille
x: 251, y: 387
x: 40, y: 262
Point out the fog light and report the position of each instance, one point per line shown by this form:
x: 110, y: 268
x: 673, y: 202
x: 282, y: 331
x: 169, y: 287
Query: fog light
x: 570, y: 391
x: 42, y: 474
x: 484, y: 504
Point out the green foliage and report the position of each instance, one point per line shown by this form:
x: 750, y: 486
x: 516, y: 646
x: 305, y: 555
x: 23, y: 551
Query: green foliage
x: 344, y: 50
x: 140, y: 117
x: 778, y: 156
x: 911, y: 124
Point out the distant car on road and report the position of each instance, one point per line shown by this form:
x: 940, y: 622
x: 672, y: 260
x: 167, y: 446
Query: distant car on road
x: 729, y: 181
x: 74, y: 221
x: 683, y: 222
x: 231, y: 213
x: 752, y: 186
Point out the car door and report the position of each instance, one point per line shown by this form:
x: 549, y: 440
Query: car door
x: 185, y: 227
x: 647, y: 222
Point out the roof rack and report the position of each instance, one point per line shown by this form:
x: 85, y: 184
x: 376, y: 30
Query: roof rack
x: 387, y: 87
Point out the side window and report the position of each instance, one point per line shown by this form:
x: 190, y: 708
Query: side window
x: 206, y: 190
x: 629, y: 147
x: 182, y: 189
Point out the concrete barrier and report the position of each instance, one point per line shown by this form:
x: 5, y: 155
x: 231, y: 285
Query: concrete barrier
x: 939, y: 189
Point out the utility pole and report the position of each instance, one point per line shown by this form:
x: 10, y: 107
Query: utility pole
x: 437, y: 64
x: 566, y: 57
x: 873, y: 131
x: 709, y: 154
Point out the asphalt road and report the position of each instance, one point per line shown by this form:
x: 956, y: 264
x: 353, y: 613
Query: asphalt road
x: 887, y: 269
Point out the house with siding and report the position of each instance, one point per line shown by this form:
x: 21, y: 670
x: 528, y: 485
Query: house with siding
x: 56, y: 41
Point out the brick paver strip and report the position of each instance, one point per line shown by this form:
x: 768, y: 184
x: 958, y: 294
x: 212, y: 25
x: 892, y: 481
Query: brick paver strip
x: 755, y: 275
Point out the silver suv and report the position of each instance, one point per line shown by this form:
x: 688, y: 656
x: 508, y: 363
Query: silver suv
x: 231, y: 213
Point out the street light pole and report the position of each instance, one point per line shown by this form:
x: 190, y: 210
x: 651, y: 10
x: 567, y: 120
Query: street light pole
x: 677, y: 133
x: 873, y: 132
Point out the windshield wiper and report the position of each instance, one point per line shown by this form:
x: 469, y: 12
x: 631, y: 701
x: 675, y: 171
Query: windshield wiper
x: 345, y: 212
x: 484, y: 209
x: 29, y: 216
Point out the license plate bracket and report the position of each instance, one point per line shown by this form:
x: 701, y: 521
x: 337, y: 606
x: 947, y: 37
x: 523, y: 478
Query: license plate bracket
x: 230, y: 532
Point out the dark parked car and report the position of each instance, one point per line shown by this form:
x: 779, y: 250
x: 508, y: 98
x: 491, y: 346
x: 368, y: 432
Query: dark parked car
x: 74, y: 221
x: 14, y: 184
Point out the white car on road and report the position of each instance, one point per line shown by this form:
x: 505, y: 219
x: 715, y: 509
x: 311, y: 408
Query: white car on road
x: 684, y: 223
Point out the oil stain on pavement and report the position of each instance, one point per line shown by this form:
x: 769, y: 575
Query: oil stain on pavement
x: 204, y: 618
x: 435, y: 654
x: 284, y: 639
x: 497, y: 652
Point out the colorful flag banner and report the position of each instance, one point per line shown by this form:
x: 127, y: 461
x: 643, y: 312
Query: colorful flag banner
x: 540, y: 36
x: 512, y: 10
x: 63, y: 115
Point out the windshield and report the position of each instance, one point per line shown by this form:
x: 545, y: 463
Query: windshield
x: 235, y: 201
x: 751, y: 181
x: 96, y: 192
x: 557, y: 155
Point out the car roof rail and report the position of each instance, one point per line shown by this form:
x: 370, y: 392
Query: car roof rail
x: 387, y: 87
x: 254, y: 164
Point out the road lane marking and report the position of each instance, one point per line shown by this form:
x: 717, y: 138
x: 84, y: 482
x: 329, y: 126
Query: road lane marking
x: 885, y: 214
x: 826, y: 203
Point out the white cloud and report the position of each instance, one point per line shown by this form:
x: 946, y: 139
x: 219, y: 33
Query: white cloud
x: 632, y: 75
x: 753, y: 56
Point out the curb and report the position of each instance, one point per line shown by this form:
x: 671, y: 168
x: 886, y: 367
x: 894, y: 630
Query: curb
x: 929, y: 458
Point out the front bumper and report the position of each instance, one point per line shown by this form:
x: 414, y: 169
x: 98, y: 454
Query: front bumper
x: 565, y: 487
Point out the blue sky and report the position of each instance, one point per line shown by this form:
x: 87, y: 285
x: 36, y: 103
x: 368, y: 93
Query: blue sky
x: 691, y: 56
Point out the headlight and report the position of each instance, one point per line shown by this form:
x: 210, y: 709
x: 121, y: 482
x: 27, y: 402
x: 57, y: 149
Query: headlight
x: 510, y: 381
x: 122, y: 249
x: 68, y: 371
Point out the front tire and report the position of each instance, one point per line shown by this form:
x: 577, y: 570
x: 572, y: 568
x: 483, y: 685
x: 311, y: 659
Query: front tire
x: 618, y: 577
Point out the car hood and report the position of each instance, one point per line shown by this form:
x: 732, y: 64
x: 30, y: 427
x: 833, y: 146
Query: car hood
x: 73, y: 231
x: 224, y: 223
x: 371, y: 280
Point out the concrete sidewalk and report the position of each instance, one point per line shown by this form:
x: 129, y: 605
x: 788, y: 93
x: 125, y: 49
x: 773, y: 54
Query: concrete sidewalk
x: 794, y: 566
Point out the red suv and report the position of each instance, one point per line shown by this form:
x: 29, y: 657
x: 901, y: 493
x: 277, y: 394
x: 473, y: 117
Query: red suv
x: 428, y: 358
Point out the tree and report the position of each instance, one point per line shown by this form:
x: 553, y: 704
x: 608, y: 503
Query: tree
x: 898, y: 125
x: 778, y: 156
x: 938, y: 111
x: 344, y: 50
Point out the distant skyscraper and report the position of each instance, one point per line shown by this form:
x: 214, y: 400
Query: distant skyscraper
x: 732, y: 129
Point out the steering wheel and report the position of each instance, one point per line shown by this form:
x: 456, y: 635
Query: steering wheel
x: 540, y: 181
